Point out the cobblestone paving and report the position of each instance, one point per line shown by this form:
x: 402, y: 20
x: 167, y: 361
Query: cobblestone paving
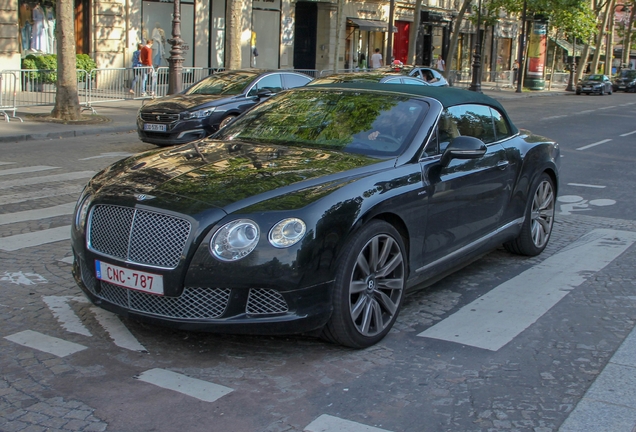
x: 405, y: 383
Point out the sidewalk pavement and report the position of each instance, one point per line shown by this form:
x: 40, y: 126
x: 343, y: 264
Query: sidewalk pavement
x: 120, y: 117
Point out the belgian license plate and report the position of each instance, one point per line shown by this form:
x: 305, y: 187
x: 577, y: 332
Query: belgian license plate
x: 133, y: 279
x: 587, y: 88
x: 154, y: 127
x: 621, y: 86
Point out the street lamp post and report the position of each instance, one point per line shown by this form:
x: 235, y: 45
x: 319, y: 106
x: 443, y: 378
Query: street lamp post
x: 570, y: 86
x: 522, y: 49
x: 176, y: 58
x: 475, y: 84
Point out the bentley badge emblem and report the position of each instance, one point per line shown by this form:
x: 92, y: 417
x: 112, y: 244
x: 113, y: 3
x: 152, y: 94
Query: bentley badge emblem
x: 143, y: 197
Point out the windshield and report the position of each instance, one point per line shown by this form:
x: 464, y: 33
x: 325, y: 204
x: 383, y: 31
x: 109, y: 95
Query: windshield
x: 630, y: 74
x: 367, y: 123
x: 595, y: 78
x: 224, y: 83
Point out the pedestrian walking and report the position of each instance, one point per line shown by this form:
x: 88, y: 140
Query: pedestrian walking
x: 136, y: 64
x: 145, y: 56
x: 441, y: 64
x: 376, y: 59
x: 515, y: 71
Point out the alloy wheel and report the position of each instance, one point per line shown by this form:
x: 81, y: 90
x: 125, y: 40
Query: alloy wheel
x: 542, y: 214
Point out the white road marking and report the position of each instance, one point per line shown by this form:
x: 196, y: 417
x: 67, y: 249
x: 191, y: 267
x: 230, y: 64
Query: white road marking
x: 327, y: 423
x: 107, y: 155
x: 44, y: 343
x: 554, y: 117
x: 494, y: 319
x: 7, y: 163
x: 21, y: 278
x: 29, y: 215
x: 68, y: 260
x: 586, y: 112
x: 117, y: 330
x: 607, y: 107
x: 586, y: 185
x: 65, y: 315
x: 196, y: 388
x: 40, y: 194
x: 594, y: 144
x: 78, y: 175
x: 628, y: 133
x: 25, y: 170
x: 36, y: 238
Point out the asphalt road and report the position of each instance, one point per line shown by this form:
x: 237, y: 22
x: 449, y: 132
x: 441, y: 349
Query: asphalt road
x: 507, y: 343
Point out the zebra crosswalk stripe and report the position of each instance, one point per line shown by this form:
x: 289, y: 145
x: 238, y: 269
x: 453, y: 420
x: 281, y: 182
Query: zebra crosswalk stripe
x: 36, y: 238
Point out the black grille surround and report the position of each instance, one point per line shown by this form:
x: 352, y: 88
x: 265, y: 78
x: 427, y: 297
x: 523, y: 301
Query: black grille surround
x: 137, y: 236
x: 159, y: 117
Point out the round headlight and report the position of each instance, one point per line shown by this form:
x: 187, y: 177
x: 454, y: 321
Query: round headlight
x: 235, y: 240
x: 287, y: 232
x: 81, y: 210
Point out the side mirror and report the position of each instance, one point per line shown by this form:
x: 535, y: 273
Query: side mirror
x: 463, y: 147
x: 263, y: 93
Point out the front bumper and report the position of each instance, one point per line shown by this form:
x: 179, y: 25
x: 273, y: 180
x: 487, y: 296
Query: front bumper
x: 178, y: 132
x: 251, y: 310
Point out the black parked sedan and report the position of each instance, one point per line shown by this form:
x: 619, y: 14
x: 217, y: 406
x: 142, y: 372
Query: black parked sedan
x: 594, y: 84
x: 210, y: 104
x: 625, y: 81
x: 314, y: 212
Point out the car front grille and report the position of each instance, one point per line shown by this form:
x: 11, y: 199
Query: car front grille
x: 193, y: 303
x: 137, y: 235
x: 265, y: 301
x: 159, y: 117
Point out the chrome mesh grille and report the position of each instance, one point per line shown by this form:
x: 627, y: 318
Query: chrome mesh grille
x: 159, y: 117
x: 265, y: 301
x: 138, y: 235
x: 193, y: 303
x: 87, y: 277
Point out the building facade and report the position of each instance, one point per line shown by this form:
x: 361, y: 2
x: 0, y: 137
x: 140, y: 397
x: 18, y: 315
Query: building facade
x: 312, y: 35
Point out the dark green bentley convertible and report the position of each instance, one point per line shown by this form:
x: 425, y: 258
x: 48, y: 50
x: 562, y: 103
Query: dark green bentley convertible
x: 314, y: 212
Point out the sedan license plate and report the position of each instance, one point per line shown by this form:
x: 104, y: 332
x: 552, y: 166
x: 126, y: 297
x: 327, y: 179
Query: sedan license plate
x: 587, y: 88
x: 154, y: 127
x: 133, y: 279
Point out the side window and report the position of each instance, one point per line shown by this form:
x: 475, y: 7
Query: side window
x: 293, y: 80
x: 502, y: 131
x: 475, y: 121
x: 272, y: 83
x: 446, y: 130
x: 412, y: 81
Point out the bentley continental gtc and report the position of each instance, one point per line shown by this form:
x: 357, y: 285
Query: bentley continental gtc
x: 315, y: 212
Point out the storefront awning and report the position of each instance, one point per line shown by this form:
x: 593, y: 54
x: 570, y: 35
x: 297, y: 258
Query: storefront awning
x: 370, y: 25
x: 567, y: 46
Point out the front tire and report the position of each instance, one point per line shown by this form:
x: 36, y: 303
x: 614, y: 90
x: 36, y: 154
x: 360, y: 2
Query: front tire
x: 539, y: 218
x: 226, y: 121
x: 369, y: 287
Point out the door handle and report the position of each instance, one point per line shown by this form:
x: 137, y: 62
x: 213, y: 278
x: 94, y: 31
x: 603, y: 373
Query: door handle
x: 503, y: 164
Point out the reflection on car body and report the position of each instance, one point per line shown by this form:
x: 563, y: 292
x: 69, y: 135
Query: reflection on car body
x: 210, y: 104
x: 298, y: 218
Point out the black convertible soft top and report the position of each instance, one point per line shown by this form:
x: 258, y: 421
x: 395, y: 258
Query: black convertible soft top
x: 447, y: 96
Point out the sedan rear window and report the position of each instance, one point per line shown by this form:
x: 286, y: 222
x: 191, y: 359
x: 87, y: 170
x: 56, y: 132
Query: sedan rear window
x: 355, y: 122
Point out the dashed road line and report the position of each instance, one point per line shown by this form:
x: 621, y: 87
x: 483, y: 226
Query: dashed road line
x: 78, y: 175
x: 496, y: 318
x: 62, y: 311
x: 594, y: 144
x: 587, y: 185
x: 45, y: 343
x: 327, y: 423
x: 196, y: 388
x: 24, y: 170
x: 36, y: 238
x: 628, y: 133
x: 29, y: 215
x: 118, y: 332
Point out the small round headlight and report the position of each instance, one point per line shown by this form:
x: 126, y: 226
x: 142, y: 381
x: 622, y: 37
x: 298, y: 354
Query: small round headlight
x: 287, y: 232
x: 81, y: 210
x: 235, y: 240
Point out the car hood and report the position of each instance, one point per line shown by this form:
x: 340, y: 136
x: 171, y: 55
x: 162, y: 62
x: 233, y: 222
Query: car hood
x: 232, y: 175
x: 180, y: 102
x: 590, y: 83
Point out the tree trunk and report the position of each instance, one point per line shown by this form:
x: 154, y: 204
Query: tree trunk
x: 67, y: 105
x: 580, y: 70
x: 556, y: 38
x: 627, y: 41
x: 455, y: 37
x: 609, y: 10
x: 414, y: 33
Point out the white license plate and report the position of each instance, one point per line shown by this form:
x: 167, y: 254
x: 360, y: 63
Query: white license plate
x: 154, y: 127
x: 133, y: 279
x: 587, y: 88
x: 621, y: 87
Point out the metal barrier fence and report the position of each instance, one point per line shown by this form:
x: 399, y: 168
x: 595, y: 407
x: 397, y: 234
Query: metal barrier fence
x: 32, y: 87
x: 8, y: 92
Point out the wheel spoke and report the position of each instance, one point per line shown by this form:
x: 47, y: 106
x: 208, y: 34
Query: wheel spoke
x: 391, y: 265
x: 357, y: 287
x: 367, y: 317
x: 363, y: 265
x: 384, y: 301
x: 390, y: 283
x: 373, y: 254
x: 358, y: 307
x: 386, y: 251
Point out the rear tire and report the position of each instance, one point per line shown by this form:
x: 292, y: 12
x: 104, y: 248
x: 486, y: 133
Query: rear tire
x: 539, y: 218
x: 369, y: 287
